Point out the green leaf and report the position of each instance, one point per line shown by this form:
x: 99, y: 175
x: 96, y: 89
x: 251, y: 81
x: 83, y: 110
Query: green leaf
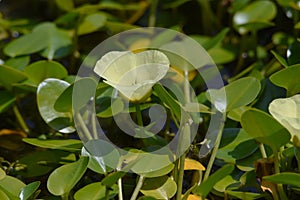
x: 45, y: 36
x: 92, y: 23
x: 66, y: 5
x: 66, y: 145
x: 3, y: 196
x: 280, y: 59
x: 160, y: 172
x: 42, y: 162
x: 288, y: 78
x: 260, y: 12
x: 112, y: 178
x: 293, y: 53
x: 95, y: 191
x: 265, y: 129
x: 216, y: 40
x: 11, y: 186
x: 245, y: 195
x: 235, y: 96
x: 117, y: 27
x: 47, y: 93
x: 221, y: 55
x: 25, y: 45
x: 168, y: 100
x: 240, y: 147
x: 6, y: 100
x: 18, y: 63
x: 287, y: 178
x: 2, y: 173
x: 104, y: 156
x: 160, y: 187
x: 9, y: 76
x: 76, y: 95
x: 29, y: 190
x: 41, y: 70
x: 67, y: 176
x: 205, y: 187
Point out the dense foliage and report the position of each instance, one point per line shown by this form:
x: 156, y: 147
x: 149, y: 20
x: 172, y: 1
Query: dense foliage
x: 255, y: 46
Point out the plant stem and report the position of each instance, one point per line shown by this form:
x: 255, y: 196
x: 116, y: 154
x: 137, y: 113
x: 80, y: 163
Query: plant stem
x: 186, y: 90
x: 139, y: 114
x: 84, y: 128
x: 216, y: 147
x: 137, y: 188
x: 20, y: 119
x: 152, y: 14
x: 120, y: 189
x: 262, y: 150
x: 65, y: 196
x: 180, y: 177
x: 106, y: 193
x: 281, y: 192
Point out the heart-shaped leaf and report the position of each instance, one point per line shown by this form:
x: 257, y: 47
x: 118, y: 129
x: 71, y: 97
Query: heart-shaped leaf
x: 41, y: 70
x: 67, y: 176
x: 287, y: 112
x: 235, y: 97
x: 265, y: 129
x: 47, y: 93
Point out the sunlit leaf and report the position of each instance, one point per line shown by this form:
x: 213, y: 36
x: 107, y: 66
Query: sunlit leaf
x: 41, y: 70
x: 18, y: 62
x: 66, y: 5
x: 160, y: 187
x: 67, y: 145
x: 11, y: 186
x: 235, y: 96
x: 260, y: 12
x: 47, y: 93
x: 67, y: 176
x: 92, y: 23
x: 28, y: 191
x: 190, y: 164
x: 95, y: 191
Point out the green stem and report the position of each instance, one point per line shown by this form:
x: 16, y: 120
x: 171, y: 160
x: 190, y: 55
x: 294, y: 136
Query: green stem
x: 139, y: 114
x: 215, y: 150
x: 187, y: 97
x: 20, y: 119
x: 106, y: 193
x: 262, y: 150
x: 152, y: 15
x: 180, y: 177
x: 65, y: 196
x: 94, y: 126
x: 120, y: 189
x: 281, y: 192
x: 137, y: 188
x: 84, y: 128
